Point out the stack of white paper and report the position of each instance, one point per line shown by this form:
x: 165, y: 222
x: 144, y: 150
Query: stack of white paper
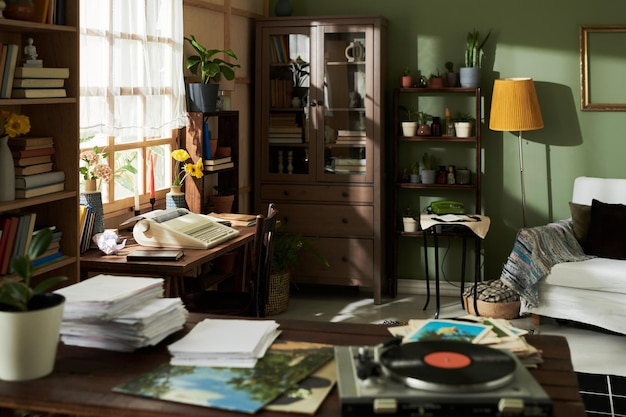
x: 224, y: 343
x: 119, y: 313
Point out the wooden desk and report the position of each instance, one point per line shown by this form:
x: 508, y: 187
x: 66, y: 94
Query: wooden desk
x: 190, y: 265
x: 82, y: 381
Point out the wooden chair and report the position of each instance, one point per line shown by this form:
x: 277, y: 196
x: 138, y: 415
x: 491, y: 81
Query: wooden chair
x: 251, y: 301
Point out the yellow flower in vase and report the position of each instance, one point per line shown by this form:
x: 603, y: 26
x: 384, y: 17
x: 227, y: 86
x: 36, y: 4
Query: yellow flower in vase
x: 195, y: 170
x: 14, y: 124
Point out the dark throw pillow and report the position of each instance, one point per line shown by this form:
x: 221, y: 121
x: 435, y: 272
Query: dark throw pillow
x: 607, y: 231
x: 581, y: 217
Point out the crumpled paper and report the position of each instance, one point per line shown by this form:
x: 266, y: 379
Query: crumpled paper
x: 107, y: 242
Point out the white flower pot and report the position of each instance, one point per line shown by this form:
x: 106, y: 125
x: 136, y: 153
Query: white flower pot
x: 410, y: 224
x: 409, y: 128
x: 463, y: 129
x: 415, y: 178
x: 29, y: 340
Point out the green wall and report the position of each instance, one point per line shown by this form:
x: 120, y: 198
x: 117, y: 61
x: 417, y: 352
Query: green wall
x: 537, y: 39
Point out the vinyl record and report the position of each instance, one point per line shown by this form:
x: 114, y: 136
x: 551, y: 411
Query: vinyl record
x: 448, y: 366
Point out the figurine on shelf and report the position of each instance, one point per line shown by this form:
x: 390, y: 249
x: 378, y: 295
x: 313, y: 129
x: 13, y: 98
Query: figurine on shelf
x: 30, y: 53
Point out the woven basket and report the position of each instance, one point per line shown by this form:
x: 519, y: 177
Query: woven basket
x: 278, y: 297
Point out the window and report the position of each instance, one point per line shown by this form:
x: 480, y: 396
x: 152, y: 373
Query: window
x: 132, y: 93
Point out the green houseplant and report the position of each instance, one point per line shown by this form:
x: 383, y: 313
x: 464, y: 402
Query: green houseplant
x: 470, y: 73
x: 463, y: 124
x: 30, y: 317
x: 406, y: 81
x: 409, y: 125
x: 203, y: 95
x: 428, y: 168
x: 423, y: 129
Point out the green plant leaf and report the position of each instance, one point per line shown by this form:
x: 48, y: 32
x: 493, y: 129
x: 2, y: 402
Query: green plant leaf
x: 46, y: 284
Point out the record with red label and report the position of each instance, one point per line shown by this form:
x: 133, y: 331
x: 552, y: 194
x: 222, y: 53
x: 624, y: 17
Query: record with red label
x: 448, y: 366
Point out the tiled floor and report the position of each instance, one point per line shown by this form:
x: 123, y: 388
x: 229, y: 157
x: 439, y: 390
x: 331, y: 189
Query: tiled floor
x: 592, y: 351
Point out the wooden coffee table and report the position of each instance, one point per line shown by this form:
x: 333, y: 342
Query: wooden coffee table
x: 82, y: 381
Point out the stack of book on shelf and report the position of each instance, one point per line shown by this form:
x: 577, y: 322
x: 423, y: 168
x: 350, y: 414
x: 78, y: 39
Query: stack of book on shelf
x: 216, y: 164
x: 50, y: 11
x: 32, y: 82
x: 119, y: 313
x: 87, y: 217
x: 16, y: 233
x: 354, y: 166
x: 284, y: 129
x: 351, y: 137
x: 34, y: 174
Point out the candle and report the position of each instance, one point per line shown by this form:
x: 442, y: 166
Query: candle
x: 152, y: 175
x: 136, y: 195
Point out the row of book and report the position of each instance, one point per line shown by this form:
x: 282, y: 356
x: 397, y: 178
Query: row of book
x: 51, y: 11
x: 279, y: 49
x: 281, y: 92
x: 16, y: 233
x: 87, y: 216
x: 34, y: 173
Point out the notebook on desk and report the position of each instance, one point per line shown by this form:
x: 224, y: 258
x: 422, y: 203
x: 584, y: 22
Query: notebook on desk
x: 180, y: 228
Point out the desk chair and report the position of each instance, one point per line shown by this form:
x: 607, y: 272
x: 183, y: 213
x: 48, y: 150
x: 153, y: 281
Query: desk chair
x: 251, y: 301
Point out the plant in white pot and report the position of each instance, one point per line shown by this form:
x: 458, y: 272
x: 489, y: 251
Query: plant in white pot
x: 469, y: 75
x: 203, y: 95
x: 409, y: 125
x: 463, y: 124
x: 30, y: 317
x: 410, y: 220
x: 428, y: 168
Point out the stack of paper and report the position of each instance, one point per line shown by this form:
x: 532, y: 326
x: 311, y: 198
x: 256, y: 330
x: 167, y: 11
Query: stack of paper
x: 224, y: 342
x: 119, y: 313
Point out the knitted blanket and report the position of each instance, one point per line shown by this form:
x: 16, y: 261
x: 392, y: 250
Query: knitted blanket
x: 536, y: 251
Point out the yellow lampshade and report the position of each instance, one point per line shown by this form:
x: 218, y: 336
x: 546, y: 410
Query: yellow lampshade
x: 514, y: 106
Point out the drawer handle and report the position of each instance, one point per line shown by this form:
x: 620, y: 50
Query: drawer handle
x: 345, y: 194
x: 344, y: 221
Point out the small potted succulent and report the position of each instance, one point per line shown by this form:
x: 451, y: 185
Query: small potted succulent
x: 452, y: 78
x: 415, y: 173
x: 410, y: 220
x: 406, y: 81
x: 428, y: 168
x: 463, y: 124
x: 423, y: 129
x: 435, y: 80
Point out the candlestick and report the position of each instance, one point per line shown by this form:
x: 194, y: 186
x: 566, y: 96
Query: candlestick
x: 152, y: 194
x: 152, y: 201
x: 136, y: 196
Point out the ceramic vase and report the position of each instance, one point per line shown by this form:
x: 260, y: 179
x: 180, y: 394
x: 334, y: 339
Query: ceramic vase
x: 469, y: 77
x: 30, y: 338
x: 175, y: 198
x: 94, y: 199
x: 7, y: 171
x: 283, y: 8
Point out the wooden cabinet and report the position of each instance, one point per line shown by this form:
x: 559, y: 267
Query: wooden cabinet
x: 319, y: 145
x: 448, y: 149
x: 224, y: 126
x: 57, y: 46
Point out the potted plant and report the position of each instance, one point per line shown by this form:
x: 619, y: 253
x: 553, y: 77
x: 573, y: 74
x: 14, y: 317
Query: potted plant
x: 203, y: 95
x: 409, y: 126
x: 452, y: 78
x: 423, y: 129
x: 428, y: 168
x: 300, y: 78
x: 30, y: 317
x: 410, y: 220
x: 222, y: 201
x: 435, y: 80
x: 415, y: 173
x: 406, y: 81
x: 287, y: 249
x: 470, y: 74
x: 463, y: 124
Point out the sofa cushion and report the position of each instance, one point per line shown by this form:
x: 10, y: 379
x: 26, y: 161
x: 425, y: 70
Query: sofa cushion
x: 581, y: 217
x: 607, y: 231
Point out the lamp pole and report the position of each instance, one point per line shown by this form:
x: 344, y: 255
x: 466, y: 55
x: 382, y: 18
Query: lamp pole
x: 521, y: 175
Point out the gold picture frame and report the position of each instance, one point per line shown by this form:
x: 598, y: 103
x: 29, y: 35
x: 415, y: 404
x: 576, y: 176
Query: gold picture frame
x: 602, y: 64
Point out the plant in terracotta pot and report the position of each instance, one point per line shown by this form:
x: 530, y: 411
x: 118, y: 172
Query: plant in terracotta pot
x: 406, y: 81
x: 435, y: 80
x: 470, y: 73
x: 203, y: 95
x: 30, y: 317
x: 222, y: 201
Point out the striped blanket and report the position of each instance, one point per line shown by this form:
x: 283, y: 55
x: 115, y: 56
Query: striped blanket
x: 536, y: 250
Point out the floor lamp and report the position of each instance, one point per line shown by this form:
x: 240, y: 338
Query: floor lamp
x: 515, y: 108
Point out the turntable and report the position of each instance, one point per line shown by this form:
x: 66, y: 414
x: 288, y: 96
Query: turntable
x: 434, y: 379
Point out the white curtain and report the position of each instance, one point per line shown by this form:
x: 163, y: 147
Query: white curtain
x: 131, y: 68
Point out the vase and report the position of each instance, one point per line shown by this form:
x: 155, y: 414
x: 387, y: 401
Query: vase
x: 175, y: 198
x: 7, y: 171
x: 20, y: 10
x: 90, y: 186
x: 94, y: 199
x: 283, y: 8
x: 30, y: 338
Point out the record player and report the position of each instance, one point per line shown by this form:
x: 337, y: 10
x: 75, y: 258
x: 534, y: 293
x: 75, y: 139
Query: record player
x: 434, y: 379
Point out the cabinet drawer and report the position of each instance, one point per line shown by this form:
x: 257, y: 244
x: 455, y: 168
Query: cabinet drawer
x: 350, y: 262
x: 327, y: 220
x: 331, y: 193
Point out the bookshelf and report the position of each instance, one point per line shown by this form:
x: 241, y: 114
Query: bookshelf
x: 57, y: 46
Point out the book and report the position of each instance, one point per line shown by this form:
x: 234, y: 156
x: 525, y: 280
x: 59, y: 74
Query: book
x: 45, y: 259
x: 33, y: 169
x: 8, y: 250
x: 35, y: 192
x: 28, y: 153
x: 34, y: 160
x: 217, y: 161
x: 236, y: 219
x: 29, y: 232
x: 26, y: 142
x: 5, y: 223
x: 3, y: 60
x: 29, y: 72
x: 38, y: 83
x: 41, y: 10
x: 155, y: 255
x: 23, y: 226
x: 9, y: 71
x: 219, y: 167
x: 38, y: 92
x: 25, y: 182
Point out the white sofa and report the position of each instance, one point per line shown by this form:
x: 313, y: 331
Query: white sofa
x: 592, y: 291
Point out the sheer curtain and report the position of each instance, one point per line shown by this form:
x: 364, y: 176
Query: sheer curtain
x: 131, y: 78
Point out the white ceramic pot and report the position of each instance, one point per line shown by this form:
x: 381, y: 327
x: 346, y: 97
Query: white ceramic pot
x: 415, y: 178
x: 409, y: 128
x: 463, y: 129
x: 410, y: 224
x: 29, y: 340
x: 469, y: 77
x: 428, y: 176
